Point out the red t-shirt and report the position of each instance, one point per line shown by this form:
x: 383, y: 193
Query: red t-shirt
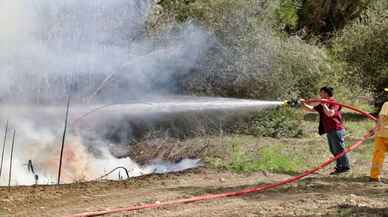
x: 333, y: 123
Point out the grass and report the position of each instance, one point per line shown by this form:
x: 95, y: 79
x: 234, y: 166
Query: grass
x: 273, y: 155
x: 271, y: 158
x: 245, y: 154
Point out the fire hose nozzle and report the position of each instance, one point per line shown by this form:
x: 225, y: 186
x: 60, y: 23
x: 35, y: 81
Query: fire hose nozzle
x: 294, y: 103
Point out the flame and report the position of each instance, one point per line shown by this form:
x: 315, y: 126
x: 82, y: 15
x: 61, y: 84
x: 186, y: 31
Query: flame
x: 75, y: 164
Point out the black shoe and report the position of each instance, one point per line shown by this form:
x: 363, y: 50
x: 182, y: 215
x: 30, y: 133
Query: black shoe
x: 339, y: 171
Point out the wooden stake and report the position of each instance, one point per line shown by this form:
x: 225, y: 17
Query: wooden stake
x: 63, y: 141
x: 11, y: 161
x: 2, y: 153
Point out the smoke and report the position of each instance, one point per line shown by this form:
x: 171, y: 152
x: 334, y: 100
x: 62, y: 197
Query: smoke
x: 79, y: 165
x: 94, y: 141
x: 98, y: 49
x: 96, y: 52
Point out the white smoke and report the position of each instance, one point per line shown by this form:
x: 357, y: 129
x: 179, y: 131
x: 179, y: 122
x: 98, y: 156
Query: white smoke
x: 79, y: 165
x: 50, y: 49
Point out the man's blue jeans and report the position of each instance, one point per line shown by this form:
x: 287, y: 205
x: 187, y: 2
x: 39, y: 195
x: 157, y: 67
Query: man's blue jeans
x: 337, y: 145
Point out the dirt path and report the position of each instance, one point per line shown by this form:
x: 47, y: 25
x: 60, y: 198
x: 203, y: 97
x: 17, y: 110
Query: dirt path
x: 316, y: 196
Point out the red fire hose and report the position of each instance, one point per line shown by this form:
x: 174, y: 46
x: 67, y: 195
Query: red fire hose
x: 259, y: 188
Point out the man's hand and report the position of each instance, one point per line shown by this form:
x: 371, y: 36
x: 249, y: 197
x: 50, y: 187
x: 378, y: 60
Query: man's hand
x: 306, y: 106
x: 303, y: 102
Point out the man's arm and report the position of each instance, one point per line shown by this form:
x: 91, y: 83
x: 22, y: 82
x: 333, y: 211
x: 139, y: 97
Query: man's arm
x: 328, y: 112
x: 306, y: 106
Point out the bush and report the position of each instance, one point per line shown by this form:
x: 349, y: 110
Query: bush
x: 363, y: 46
x: 287, y: 14
x: 250, y: 60
x: 313, y: 19
x: 280, y: 122
x: 276, y: 123
x: 323, y: 16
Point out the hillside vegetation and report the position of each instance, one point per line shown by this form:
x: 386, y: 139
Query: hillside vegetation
x: 286, y: 48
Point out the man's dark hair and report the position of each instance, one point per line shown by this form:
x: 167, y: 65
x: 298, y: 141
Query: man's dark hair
x: 328, y: 90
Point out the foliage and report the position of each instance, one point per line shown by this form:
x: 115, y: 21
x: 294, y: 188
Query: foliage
x: 315, y: 19
x: 280, y: 122
x: 363, y: 46
x: 323, y: 16
x: 250, y: 60
x: 287, y: 14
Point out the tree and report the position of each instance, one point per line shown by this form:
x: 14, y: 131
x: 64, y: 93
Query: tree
x: 363, y: 46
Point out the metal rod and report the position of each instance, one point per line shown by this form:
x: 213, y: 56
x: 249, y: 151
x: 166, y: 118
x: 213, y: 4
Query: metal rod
x: 2, y: 153
x: 117, y: 168
x: 11, y: 161
x: 63, y: 141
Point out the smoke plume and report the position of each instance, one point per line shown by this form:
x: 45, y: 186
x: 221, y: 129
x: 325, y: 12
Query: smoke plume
x: 94, y: 51
x: 89, y: 49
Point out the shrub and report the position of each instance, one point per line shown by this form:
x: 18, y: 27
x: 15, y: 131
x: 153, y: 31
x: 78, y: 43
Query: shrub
x: 287, y: 14
x: 280, y: 122
x: 250, y: 60
x: 363, y: 46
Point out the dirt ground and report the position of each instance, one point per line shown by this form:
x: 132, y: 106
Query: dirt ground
x: 320, y: 195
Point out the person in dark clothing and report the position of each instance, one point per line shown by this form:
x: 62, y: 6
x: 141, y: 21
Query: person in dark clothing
x: 331, y: 123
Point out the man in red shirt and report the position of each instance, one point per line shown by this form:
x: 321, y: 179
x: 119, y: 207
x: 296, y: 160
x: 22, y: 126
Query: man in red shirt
x: 331, y: 123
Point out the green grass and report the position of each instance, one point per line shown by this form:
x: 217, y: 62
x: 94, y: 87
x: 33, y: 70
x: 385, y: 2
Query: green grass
x: 357, y: 129
x: 273, y: 158
x: 245, y: 154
